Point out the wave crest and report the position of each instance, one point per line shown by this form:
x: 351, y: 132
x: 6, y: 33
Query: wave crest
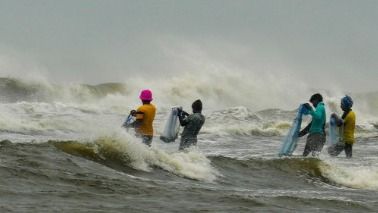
x: 14, y: 90
x: 116, y: 151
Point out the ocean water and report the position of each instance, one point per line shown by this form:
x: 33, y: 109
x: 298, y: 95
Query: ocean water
x: 62, y: 150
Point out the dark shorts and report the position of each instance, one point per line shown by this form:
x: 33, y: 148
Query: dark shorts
x: 335, y: 150
x: 314, y: 144
x: 187, y: 142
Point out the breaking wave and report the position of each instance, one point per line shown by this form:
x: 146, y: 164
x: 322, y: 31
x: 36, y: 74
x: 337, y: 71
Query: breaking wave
x: 363, y: 177
x: 122, y: 150
x: 359, y: 177
x: 15, y: 90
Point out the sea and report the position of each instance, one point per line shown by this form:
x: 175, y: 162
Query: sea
x: 63, y: 149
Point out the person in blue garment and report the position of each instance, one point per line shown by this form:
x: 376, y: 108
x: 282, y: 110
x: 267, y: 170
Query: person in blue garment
x: 315, y: 129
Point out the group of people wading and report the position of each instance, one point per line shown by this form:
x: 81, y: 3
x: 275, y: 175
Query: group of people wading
x: 192, y: 123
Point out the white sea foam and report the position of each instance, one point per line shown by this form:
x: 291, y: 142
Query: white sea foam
x: 361, y: 177
x: 192, y: 164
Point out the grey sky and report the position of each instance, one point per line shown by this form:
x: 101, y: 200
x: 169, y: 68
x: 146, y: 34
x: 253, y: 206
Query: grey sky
x: 98, y: 41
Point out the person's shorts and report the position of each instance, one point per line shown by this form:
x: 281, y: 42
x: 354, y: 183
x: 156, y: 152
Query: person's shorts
x: 314, y: 144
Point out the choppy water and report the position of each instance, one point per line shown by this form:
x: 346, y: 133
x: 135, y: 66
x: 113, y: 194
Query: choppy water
x: 70, y: 155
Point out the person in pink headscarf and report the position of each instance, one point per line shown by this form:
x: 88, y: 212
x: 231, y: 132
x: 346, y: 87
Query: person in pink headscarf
x: 145, y: 115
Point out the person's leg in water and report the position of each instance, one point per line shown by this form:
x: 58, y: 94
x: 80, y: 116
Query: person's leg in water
x: 319, y: 141
x: 147, y: 139
x: 348, y: 150
x: 314, y: 144
x: 335, y: 150
x: 309, y: 145
x: 186, y: 143
x: 307, y: 148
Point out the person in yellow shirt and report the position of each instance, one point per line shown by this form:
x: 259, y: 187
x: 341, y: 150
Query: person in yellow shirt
x: 144, y: 118
x: 347, y: 125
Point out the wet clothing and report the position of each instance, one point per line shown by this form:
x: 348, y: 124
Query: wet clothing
x: 318, y: 119
x: 339, y: 147
x: 314, y: 144
x: 306, y: 130
x: 349, y: 119
x: 145, y: 115
x: 347, y: 125
x: 192, y: 125
x: 316, y: 129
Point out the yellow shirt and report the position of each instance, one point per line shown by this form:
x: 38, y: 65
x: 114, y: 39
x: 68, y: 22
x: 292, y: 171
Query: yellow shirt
x: 146, y: 113
x: 349, y: 127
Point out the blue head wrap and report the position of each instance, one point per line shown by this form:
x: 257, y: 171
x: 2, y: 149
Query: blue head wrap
x: 347, y: 102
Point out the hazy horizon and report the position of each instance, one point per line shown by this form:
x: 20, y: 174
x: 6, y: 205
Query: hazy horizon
x: 324, y: 44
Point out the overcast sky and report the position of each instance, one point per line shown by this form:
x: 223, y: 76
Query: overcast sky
x: 93, y: 41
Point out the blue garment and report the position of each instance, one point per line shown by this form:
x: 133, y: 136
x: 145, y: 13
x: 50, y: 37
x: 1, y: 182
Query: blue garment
x: 318, y: 119
x: 291, y: 139
x: 347, y: 102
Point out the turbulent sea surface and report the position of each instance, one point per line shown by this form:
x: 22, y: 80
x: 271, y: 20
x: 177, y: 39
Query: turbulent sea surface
x: 63, y: 150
